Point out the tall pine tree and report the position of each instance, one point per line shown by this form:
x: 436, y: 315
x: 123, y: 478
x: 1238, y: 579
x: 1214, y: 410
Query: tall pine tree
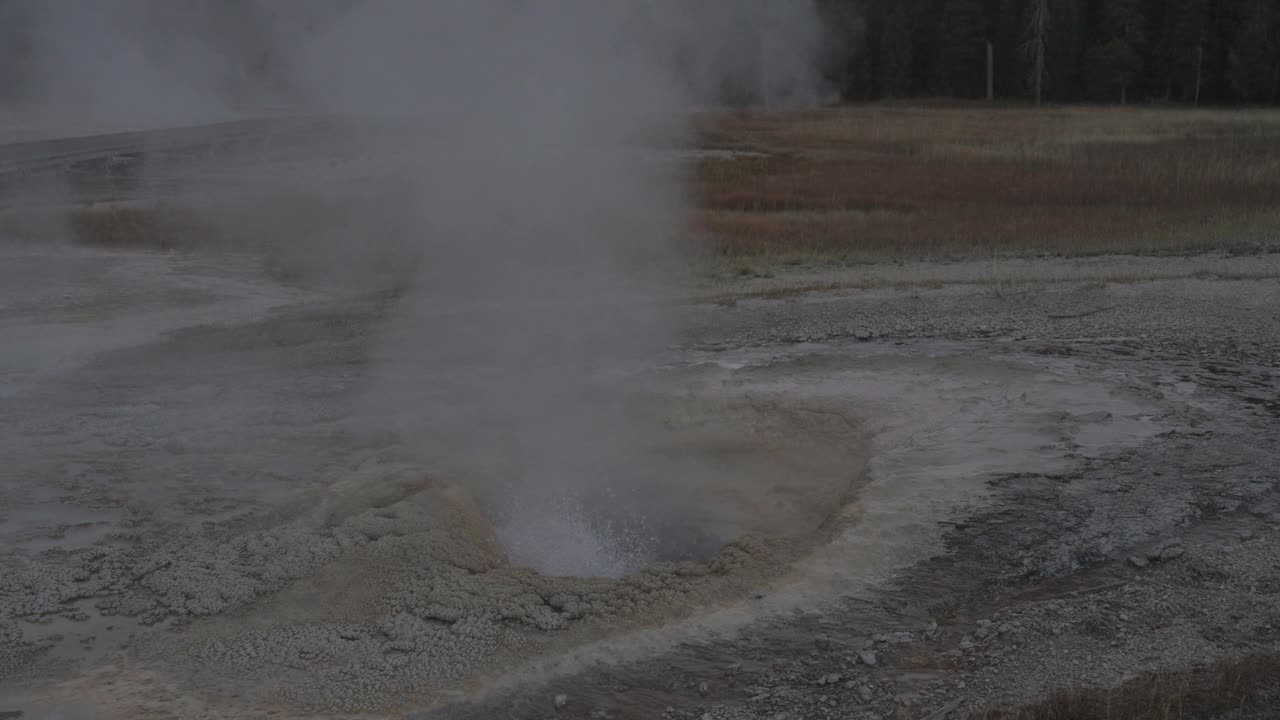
x: 896, y: 53
x: 1211, y: 51
x: 1181, y: 48
x: 1115, y: 60
x: 962, y: 51
x: 1252, y: 57
x: 1064, y: 56
x: 1011, y: 70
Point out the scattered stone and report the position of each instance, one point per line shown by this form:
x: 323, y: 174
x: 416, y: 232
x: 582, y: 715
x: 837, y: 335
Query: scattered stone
x: 1173, y: 552
x: 704, y: 688
x: 1247, y: 534
x: 822, y: 642
x: 868, y: 657
x: 1138, y: 561
x: 945, y: 710
x: 966, y: 643
x: 1262, y: 511
x: 834, y: 678
x: 1006, y: 628
x: 561, y: 701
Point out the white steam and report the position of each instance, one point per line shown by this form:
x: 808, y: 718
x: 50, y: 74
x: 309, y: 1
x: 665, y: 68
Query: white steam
x: 546, y: 219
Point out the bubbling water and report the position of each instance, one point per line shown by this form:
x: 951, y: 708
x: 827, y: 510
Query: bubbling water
x: 562, y: 537
x: 596, y: 535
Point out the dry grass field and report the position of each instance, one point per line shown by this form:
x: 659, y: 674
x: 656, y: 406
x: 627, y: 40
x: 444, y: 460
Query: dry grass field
x: 873, y: 184
x: 1241, y: 690
x: 890, y: 183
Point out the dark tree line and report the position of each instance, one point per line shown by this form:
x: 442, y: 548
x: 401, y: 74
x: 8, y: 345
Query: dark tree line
x: 1176, y: 51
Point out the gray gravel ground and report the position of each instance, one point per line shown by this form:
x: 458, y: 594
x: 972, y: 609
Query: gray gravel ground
x: 1163, y: 557
x: 194, y: 525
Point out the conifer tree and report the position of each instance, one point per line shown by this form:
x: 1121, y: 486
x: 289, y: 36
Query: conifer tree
x: 962, y: 50
x: 896, y: 53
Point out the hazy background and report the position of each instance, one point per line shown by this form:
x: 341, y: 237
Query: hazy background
x: 155, y: 61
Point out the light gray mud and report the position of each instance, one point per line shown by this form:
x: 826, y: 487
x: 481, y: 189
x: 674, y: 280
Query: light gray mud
x: 200, y: 519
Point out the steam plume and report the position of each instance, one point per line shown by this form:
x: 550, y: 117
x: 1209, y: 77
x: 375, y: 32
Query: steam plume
x: 543, y: 226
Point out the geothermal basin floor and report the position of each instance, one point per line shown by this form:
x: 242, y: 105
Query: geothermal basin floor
x: 954, y: 493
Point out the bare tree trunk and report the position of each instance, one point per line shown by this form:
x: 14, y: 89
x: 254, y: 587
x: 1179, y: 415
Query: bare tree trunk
x: 1199, y: 71
x: 991, y: 72
x: 1037, y: 37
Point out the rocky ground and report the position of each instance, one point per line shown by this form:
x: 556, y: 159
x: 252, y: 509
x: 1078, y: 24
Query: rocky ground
x: 1159, y: 558
x: 1009, y: 486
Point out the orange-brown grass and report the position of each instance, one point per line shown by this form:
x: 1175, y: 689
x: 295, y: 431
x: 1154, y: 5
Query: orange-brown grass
x: 160, y: 228
x: 921, y: 183
x: 1248, y: 689
x: 151, y: 228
